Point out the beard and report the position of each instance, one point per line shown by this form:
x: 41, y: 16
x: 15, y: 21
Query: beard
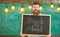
x: 36, y: 12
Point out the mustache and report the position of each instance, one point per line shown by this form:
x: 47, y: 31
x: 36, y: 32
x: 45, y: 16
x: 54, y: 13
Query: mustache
x: 36, y: 10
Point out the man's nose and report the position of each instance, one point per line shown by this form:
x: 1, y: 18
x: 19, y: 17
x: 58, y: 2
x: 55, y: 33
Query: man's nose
x: 36, y: 8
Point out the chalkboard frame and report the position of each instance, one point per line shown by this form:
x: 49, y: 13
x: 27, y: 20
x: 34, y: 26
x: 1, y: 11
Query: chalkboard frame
x: 38, y: 15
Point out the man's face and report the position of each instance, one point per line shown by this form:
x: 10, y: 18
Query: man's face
x: 36, y: 8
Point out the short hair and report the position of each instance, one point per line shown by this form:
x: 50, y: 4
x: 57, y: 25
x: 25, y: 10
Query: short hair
x: 36, y: 3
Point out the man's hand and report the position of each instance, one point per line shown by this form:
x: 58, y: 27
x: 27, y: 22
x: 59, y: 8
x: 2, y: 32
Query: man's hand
x: 22, y: 35
x: 49, y: 35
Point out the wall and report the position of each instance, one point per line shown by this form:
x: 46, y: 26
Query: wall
x: 10, y: 24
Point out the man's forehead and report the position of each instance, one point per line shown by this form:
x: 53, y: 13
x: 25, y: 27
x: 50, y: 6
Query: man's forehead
x: 36, y: 5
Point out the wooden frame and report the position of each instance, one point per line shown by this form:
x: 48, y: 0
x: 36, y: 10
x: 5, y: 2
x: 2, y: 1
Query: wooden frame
x: 36, y: 34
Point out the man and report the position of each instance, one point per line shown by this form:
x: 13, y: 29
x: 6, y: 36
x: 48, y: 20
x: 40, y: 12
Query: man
x: 36, y: 10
